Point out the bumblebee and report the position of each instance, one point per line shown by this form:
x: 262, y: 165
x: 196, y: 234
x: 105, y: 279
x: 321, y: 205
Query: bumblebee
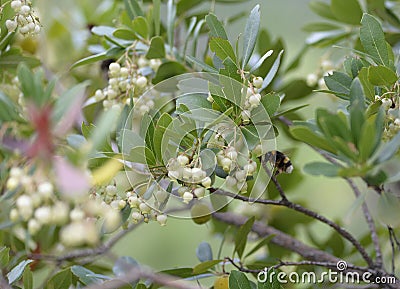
x: 279, y: 161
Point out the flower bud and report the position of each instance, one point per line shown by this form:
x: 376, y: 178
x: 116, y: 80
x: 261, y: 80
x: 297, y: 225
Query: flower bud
x: 187, y: 197
x: 162, y: 219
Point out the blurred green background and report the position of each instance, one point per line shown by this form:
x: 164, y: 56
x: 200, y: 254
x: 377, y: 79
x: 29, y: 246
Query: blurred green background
x: 66, y: 28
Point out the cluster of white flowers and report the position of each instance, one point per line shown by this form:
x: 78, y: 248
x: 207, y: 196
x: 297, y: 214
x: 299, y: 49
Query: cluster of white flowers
x: 317, y: 78
x: 236, y: 180
x: 253, y: 98
x: 37, y: 205
x: 142, y: 211
x: 192, y: 178
x: 392, y: 115
x: 24, y: 19
x: 127, y: 81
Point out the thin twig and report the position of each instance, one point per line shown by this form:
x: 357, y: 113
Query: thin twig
x: 366, y: 212
x: 142, y: 273
x: 286, y: 203
x: 313, y: 255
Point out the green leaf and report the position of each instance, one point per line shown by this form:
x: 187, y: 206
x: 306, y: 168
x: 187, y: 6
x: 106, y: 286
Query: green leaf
x: 381, y: 76
x: 271, y: 103
x: 156, y: 16
x: 133, y: 8
x: 4, y: 256
x: 68, y: 101
x: 320, y: 26
x: 347, y: 11
x: 32, y: 85
x: 321, y: 169
x: 241, y: 236
x: 168, y: 70
x: 90, y: 59
x: 27, y: 278
x: 8, y: 110
x: 261, y: 244
x: 104, y: 126
x: 103, y: 30
x: 366, y: 145
x: 338, y: 82
x: 85, y: 275
x: 171, y: 16
x: 189, y: 31
x: 322, y: 9
x: 16, y: 273
x: 367, y: 86
x: 272, y: 72
x: 156, y: 49
x: 200, y: 64
x: 389, y: 149
x: 388, y: 209
x: 162, y: 124
x: 204, y: 252
x: 261, y: 61
x: 204, y: 266
x: 238, y: 280
x: 250, y: 34
x: 373, y: 40
x: 123, y: 33
x: 296, y: 89
x: 306, y: 135
x: 216, y: 27
x: 357, y: 110
x: 140, y: 27
x: 179, y: 272
x: 222, y: 48
x: 11, y: 61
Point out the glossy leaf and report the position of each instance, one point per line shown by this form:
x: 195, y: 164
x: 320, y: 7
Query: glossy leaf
x: 204, y: 266
x: 373, y: 40
x: 321, y: 169
x: 200, y: 64
x: 27, y: 278
x: 260, y: 244
x: 320, y: 26
x: 167, y: 70
x: 347, y: 11
x: 156, y: 49
x: 322, y: 9
x: 357, y: 110
x: 123, y: 33
x: 4, y: 256
x: 338, y: 82
x: 261, y: 61
x: 238, y: 280
x: 241, y: 236
x: 171, y: 16
x: 381, y: 76
x: 272, y: 72
x: 389, y: 149
x: 61, y: 280
x: 366, y: 84
x: 156, y: 16
x: 16, y: 273
x: 250, y: 34
x: 85, y: 275
x: 90, y: 59
x: 133, y: 8
x: 306, y: 135
x: 140, y: 27
x: 222, y: 48
x: 216, y: 27
x: 8, y: 110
